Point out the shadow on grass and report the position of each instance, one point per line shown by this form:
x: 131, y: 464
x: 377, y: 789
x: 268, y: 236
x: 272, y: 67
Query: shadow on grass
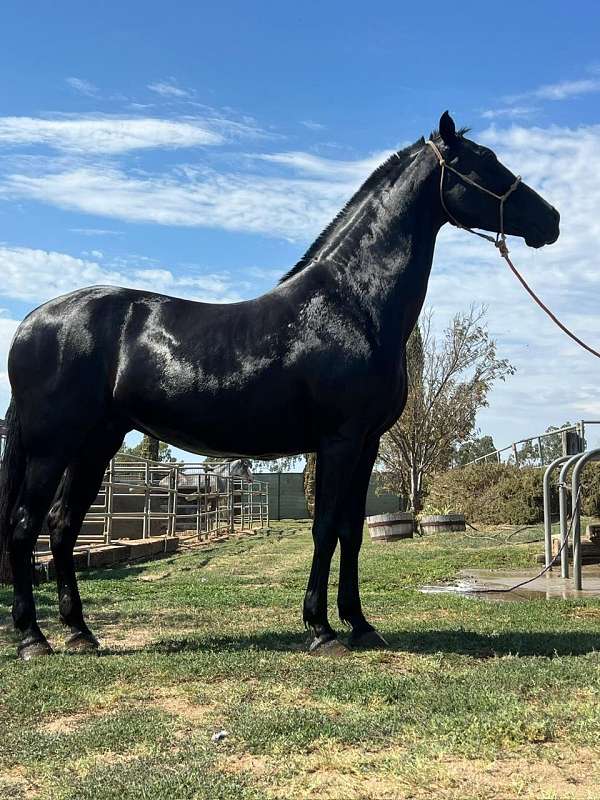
x: 468, y: 643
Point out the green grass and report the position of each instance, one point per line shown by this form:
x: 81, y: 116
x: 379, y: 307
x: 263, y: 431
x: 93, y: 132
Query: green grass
x: 474, y: 699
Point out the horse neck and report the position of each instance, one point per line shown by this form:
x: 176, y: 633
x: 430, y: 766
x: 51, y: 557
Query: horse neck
x: 380, y: 250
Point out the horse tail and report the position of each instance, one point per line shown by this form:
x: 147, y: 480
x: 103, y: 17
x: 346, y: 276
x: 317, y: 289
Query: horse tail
x: 12, y: 470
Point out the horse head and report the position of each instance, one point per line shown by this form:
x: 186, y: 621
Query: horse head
x: 477, y: 191
x: 242, y: 468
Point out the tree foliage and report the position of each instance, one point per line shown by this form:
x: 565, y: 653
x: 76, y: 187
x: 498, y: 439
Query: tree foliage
x: 449, y: 380
x: 147, y: 449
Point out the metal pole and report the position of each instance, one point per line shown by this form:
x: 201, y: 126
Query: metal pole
x: 198, y: 506
x: 109, y: 502
x: 563, y: 509
x: 548, y: 509
x: 541, y: 449
x: 146, y: 521
x: 230, y: 501
x: 591, y: 455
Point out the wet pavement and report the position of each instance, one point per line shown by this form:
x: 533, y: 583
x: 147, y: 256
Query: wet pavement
x: 490, y: 584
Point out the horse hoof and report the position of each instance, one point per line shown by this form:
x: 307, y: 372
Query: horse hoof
x: 368, y: 640
x: 82, y: 643
x: 329, y: 647
x: 26, y: 652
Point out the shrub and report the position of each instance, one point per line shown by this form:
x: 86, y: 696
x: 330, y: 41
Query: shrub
x: 495, y: 494
x: 591, y: 491
x: 492, y: 494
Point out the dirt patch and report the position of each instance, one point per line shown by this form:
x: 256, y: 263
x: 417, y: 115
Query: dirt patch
x: 155, y: 576
x: 182, y: 707
x: 15, y: 783
x: 394, y: 773
x: 68, y: 723
x: 122, y: 637
x: 575, y: 776
x: 259, y: 766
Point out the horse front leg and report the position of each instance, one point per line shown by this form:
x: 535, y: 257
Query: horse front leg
x: 351, y: 526
x: 336, y: 460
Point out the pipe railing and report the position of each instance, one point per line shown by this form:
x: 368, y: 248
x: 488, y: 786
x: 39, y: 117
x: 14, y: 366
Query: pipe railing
x: 513, y: 448
x: 548, y: 507
x: 577, y: 463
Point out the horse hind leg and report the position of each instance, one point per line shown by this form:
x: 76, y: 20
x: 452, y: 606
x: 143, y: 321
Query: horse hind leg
x: 42, y: 476
x: 79, y: 487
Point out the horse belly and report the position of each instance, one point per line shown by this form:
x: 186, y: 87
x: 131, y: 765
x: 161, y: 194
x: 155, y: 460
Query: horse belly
x: 247, y: 419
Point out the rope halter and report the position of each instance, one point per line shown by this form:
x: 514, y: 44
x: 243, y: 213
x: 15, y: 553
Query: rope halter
x: 500, y: 239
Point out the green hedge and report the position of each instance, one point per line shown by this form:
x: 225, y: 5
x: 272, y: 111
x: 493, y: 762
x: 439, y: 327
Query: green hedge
x: 496, y: 494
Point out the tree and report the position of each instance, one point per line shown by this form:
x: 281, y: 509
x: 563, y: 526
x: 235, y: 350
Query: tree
x: 147, y: 449
x: 309, y: 482
x: 475, y: 447
x: 449, y: 381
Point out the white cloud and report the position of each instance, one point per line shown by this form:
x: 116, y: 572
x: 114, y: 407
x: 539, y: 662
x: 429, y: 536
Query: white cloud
x: 333, y: 169
x: 312, y: 125
x: 110, y: 135
x: 95, y: 232
x: 34, y: 276
x: 289, y: 208
x: 561, y: 90
x: 511, y: 112
x: 83, y: 87
x: 292, y: 207
x: 168, y: 88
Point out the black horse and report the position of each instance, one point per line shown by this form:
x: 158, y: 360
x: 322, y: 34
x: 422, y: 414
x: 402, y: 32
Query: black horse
x: 317, y: 364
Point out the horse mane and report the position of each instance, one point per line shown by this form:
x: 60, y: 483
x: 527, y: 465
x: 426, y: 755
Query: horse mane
x: 435, y: 134
x: 395, y: 160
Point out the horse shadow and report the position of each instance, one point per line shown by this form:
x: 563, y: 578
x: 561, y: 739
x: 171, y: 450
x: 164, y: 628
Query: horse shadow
x: 479, y: 646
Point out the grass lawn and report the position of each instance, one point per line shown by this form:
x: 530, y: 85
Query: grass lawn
x: 475, y: 699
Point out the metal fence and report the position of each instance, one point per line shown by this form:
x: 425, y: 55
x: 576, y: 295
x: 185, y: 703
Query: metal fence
x: 540, y: 450
x: 140, y: 498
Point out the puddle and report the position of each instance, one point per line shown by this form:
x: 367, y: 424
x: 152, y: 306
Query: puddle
x: 482, y: 584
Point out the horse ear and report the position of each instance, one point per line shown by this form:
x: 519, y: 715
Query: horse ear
x: 447, y: 129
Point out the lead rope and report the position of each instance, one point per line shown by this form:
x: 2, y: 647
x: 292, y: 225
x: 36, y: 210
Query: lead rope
x: 499, y: 240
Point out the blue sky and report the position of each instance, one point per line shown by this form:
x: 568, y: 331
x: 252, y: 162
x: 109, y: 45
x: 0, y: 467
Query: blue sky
x: 198, y: 149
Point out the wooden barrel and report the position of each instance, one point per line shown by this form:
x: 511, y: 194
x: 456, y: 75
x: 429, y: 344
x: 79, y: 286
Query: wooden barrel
x: 391, y: 527
x: 440, y: 523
